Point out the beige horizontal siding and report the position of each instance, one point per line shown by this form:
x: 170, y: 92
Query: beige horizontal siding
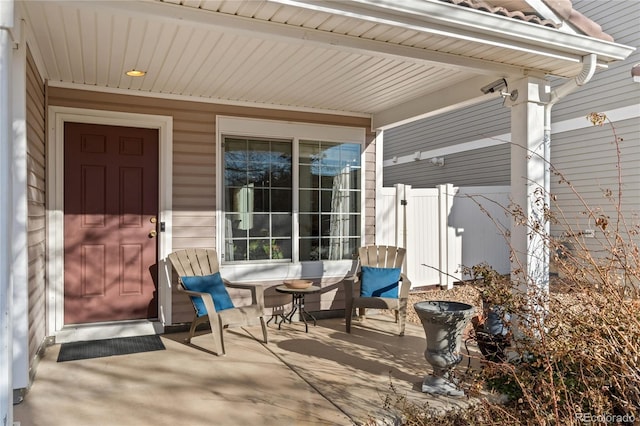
x: 36, y: 225
x: 194, y: 161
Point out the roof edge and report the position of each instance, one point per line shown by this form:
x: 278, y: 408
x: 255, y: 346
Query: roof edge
x: 564, y: 9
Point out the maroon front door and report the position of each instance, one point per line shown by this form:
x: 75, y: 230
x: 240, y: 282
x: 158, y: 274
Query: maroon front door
x: 110, y: 212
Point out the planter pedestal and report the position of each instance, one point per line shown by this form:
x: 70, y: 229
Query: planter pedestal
x: 443, y: 323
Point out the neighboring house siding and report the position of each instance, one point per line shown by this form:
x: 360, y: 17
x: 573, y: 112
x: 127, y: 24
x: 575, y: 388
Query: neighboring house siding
x: 194, y: 162
x: 608, y: 90
x: 478, y: 167
x: 36, y: 231
x: 612, y: 88
x: 585, y: 156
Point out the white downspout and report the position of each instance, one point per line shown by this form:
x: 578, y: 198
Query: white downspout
x: 588, y: 70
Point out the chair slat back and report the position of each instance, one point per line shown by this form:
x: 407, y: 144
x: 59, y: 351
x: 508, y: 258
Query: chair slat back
x: 382, y: 256
x: 195, y: 262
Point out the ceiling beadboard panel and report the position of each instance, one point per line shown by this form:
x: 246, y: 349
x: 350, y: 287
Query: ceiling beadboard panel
x: 297, y: 57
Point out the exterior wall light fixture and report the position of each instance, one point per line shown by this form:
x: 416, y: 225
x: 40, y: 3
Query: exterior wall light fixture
x: 635, y: 73
x: 437, y: 161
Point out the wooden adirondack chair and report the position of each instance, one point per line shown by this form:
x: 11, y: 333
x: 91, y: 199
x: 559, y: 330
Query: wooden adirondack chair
x: 204, y: 262
x: 377, y: 257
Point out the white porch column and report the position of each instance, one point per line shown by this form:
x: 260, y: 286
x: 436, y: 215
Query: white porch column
x: 6, y: 293
x: 19, y: 255
x: 529, y: 185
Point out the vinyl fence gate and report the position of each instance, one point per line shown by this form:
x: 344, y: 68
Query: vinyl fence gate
x: 444, y: 228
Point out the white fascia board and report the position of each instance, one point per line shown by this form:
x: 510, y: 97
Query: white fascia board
x: 457, y: 96
x: 464, y: 23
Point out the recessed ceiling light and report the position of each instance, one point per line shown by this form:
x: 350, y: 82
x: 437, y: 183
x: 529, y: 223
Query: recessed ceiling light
x: 135, y: 73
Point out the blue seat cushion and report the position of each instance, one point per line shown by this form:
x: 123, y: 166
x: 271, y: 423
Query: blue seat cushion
x: 211, y: 284
x: 379, y: 282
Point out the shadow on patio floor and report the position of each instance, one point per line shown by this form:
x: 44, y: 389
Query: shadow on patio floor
x: 324, y: 377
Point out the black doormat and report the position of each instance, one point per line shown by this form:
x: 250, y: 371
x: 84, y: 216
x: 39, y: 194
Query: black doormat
x: 108, y: 347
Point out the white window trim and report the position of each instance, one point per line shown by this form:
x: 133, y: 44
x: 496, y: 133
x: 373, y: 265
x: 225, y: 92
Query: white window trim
x: 57, y: 116
x: 239, y: 126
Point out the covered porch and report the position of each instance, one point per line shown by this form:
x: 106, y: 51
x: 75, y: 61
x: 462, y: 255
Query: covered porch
x: 368, y: 65
x: 324, y: 377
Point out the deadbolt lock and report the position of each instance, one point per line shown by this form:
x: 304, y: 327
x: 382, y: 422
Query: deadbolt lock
x: 153, y: 219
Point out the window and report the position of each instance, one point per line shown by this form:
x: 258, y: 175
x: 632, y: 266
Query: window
x: 290, y: 199
x: 329, y: 176
x: 258, y: 199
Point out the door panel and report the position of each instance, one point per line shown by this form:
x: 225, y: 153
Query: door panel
x: 110, y: 203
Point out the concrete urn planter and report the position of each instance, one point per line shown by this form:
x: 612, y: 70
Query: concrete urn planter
x: 443, y: 323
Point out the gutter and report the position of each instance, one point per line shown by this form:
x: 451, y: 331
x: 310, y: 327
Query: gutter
x: 461, y: 23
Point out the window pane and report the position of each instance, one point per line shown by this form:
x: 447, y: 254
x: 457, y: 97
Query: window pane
x: 259, y: 249
x: 260, y: 222
x: 236, y: 250
x: 281, y: 249
x: 281, y: 164
x: 309, y: 225
x: 261, y: 200
x: 281, y: 224
x: 235, y: 158
x: 354, y: 181
x: 325, y: 224
x: 307, y: 178
x: 309, y: 201
x: 309, y: 249
x: 327, y: 200
x: 236, y: 226
x: 341, y: 248
x: 309, y: 152
x: 280, y: 175
x: 280, y: 200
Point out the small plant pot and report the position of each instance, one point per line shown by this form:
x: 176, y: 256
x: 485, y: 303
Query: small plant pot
x: 497, y: 320
x: 493, y: 335
x: 492, y: 347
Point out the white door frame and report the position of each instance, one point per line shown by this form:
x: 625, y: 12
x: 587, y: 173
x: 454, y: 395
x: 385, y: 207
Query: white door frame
x: 57, y: 116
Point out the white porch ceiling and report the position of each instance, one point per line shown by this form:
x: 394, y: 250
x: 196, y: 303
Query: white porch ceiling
x: 361, y: 57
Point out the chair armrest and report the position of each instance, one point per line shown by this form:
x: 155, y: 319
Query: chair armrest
x: 183, y: 289
x: 206, y: 298
x: 350, y: 284
x: 405, y: 286
x: 192, y: 293
x: 257, y: 291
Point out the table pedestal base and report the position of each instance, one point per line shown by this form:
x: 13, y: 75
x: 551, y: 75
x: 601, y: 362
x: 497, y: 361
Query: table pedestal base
x: 298, y: 306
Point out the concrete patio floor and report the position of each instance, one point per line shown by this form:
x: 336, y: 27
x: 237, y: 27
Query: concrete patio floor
x: 324, y: 377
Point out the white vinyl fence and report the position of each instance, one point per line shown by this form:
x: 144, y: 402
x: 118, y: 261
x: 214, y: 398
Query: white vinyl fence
x: 444, y: 228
